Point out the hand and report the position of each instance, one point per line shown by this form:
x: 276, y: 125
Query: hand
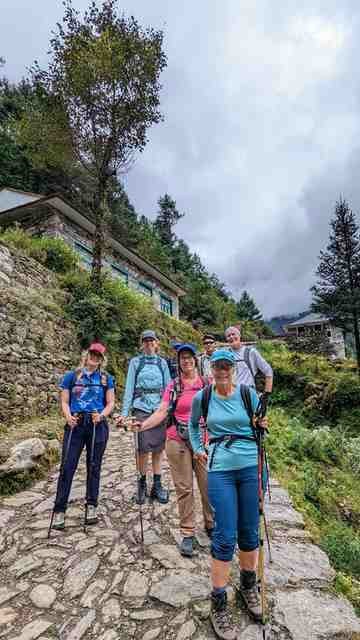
x: 119, y: 421
x: 72, y: 421
x: 202, y: 455
x: 133, y: 424
x: 97, y: 417
x: 263, y: 423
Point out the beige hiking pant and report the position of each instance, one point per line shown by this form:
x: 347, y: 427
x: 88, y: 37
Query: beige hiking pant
x: 182, y: 466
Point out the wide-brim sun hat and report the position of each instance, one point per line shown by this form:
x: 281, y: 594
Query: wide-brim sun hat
x: 186, y: 346
x: 222, y: 354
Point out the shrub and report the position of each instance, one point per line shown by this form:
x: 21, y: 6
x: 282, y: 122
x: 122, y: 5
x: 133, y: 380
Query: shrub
x: 342, y: 545
x: 53, y: 253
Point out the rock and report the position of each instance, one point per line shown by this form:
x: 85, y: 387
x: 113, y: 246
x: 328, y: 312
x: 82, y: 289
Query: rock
x: 168, y: 555
x: 150, y: 537
x: 186, y: 631
x: 25, y: 497
x: 110, y: 635
x: 85, y: 545
x: 146, y: 614
x: 181, y: 589
x: 202, y: 609
x: 23, y: 457
x: 33, y: 630
x: 283, y: 516
x: 111, y: 610
x: 296, y: 563
x: 93, y: 593
x: 7, y: 614
x: 51, y: 552
x: 82, y: 626
x: 314, y: 616
x: 279, y: 497
x: 152, y: 634
x: 79, y: 575
x: 179, y: 619
x: 136, y: 585
x: 43, y: 596
x: 25, y: 565
x: 5, y: 516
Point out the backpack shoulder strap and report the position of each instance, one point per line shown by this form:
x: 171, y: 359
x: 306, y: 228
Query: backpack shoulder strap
x: 247, y: 352
x: 159, y: 361
x: 205, y: 401
x: 246, y: 398
x: 141, y: 365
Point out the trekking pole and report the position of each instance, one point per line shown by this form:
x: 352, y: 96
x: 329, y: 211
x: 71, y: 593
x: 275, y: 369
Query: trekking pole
x: 137, y: 461
x: 89, y: 472
x: 61, y: 474
x: 261, y: 570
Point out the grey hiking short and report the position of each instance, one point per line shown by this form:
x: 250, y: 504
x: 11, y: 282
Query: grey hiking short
x: 152, y: 440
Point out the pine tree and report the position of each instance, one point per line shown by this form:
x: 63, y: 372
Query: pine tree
x: 247, y: 309
x: 167, y: 217
x: 337, y: 292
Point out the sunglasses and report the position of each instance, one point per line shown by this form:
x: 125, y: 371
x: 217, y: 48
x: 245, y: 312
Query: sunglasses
x: 222, y: 364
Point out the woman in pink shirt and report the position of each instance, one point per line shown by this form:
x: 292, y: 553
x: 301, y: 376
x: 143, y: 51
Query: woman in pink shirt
x: 176, y: 404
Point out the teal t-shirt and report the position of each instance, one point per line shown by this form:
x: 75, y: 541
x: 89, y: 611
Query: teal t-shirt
x: 225, y: 416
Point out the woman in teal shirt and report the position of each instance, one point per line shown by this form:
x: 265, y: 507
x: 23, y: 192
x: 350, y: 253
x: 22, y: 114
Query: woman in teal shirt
x: 232, y: 488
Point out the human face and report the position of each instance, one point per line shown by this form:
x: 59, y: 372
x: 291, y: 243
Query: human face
x: 222, y: 372
x: 209, y: 346
x: 149, y: 345
x: 187, y: 362
x: 93, y: 360
x: 233, y: 338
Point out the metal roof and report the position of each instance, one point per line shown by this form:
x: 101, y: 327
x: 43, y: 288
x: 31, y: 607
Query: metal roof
x: 15, y: 212
x: 12, y: 198
x: 311, y: 318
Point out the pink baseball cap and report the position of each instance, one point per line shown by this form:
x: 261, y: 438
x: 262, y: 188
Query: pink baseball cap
x: 98, y: 347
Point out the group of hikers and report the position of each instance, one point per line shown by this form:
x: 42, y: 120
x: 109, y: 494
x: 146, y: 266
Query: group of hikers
x: 202, y: 410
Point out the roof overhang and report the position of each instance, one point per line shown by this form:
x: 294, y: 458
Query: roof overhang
x: 60, y: 204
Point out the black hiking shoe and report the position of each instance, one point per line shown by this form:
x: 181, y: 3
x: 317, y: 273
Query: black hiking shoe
x: 249, y: 594
x: 220, y: 617
x: 159, y: 493
x: 141, y: 492
x: 187, y: 547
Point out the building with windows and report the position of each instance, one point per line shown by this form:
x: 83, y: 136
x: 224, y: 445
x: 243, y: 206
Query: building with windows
x: 54, y: 216
x: 315, y: 323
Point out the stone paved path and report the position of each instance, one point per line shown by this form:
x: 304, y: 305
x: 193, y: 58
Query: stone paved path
x: 99, y: 585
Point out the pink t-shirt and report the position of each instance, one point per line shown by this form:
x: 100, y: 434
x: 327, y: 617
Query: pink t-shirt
x: 183, y: 405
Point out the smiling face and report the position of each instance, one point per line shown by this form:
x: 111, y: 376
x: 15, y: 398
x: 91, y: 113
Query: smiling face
x: 233, y: 338
x: 149, y: 346
x: 223, y: 372
x: 187, y: 362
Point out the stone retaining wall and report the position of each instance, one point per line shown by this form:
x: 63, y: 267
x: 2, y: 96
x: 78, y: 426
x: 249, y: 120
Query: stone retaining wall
x: 36, y: 343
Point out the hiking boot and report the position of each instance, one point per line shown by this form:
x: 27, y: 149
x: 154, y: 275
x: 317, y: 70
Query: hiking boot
x: 220, y: 617
x: 141, y: 492
x: 91, y: 515
x: 159, y: 493
x: 187, y: 546
x: 249, y: 593
x: 59, y: 521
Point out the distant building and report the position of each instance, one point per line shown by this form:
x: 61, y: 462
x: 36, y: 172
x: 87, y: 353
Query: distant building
x: 315, y: 323
x: 54, y: 216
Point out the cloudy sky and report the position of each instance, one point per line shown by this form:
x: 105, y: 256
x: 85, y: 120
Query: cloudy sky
x: 261, y: 132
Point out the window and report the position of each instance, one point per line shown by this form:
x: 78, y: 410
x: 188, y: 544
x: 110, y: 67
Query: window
x: 166, y: 305
x: 145, y: 289
x: 85, y: 253
x: 119, y: 272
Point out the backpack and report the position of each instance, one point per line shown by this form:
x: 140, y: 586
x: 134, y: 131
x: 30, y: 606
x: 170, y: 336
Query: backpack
x: 258, y: 376
x: 181, y: 429
x: 245, y: 396
x: 142, y: 363
x: 103, y: 383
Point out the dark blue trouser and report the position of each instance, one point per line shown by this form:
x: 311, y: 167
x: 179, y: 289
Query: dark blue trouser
x: 235, y: 499
x: 81, y: 437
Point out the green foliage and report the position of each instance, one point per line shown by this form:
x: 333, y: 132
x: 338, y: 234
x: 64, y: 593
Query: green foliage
x: 167, y: 217
x: 53, y: 253
x: 247, y: 309
x: 342, y: 545
x: 317, y: 344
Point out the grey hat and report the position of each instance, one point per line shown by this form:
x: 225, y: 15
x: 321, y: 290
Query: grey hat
x: 148, y: 334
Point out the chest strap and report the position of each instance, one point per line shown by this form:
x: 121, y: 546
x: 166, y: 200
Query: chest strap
x: 141, y: 391
x: 228, y: 439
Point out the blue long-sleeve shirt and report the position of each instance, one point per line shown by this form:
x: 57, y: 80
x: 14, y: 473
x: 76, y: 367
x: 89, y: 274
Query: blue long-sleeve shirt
x: 225, y: 416
x: 150, y: 377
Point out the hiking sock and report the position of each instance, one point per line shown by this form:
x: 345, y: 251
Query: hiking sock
x: 218, y: 592
x: 247, y: 579
x: 157, y: 478
x: 143, y: 478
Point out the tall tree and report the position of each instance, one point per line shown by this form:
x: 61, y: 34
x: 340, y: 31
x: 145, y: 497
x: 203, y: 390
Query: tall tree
x: 168, y: 216
x: 96, y: 100
x: 247, y: 309
x: 337, y: 292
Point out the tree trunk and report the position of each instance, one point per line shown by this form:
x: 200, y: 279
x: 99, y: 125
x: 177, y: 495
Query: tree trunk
x: 99, y: 236
x: 357, y: 339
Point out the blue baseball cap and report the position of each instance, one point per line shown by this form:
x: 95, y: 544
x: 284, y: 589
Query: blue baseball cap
x: 222, y: 354
x: 186, y: 346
